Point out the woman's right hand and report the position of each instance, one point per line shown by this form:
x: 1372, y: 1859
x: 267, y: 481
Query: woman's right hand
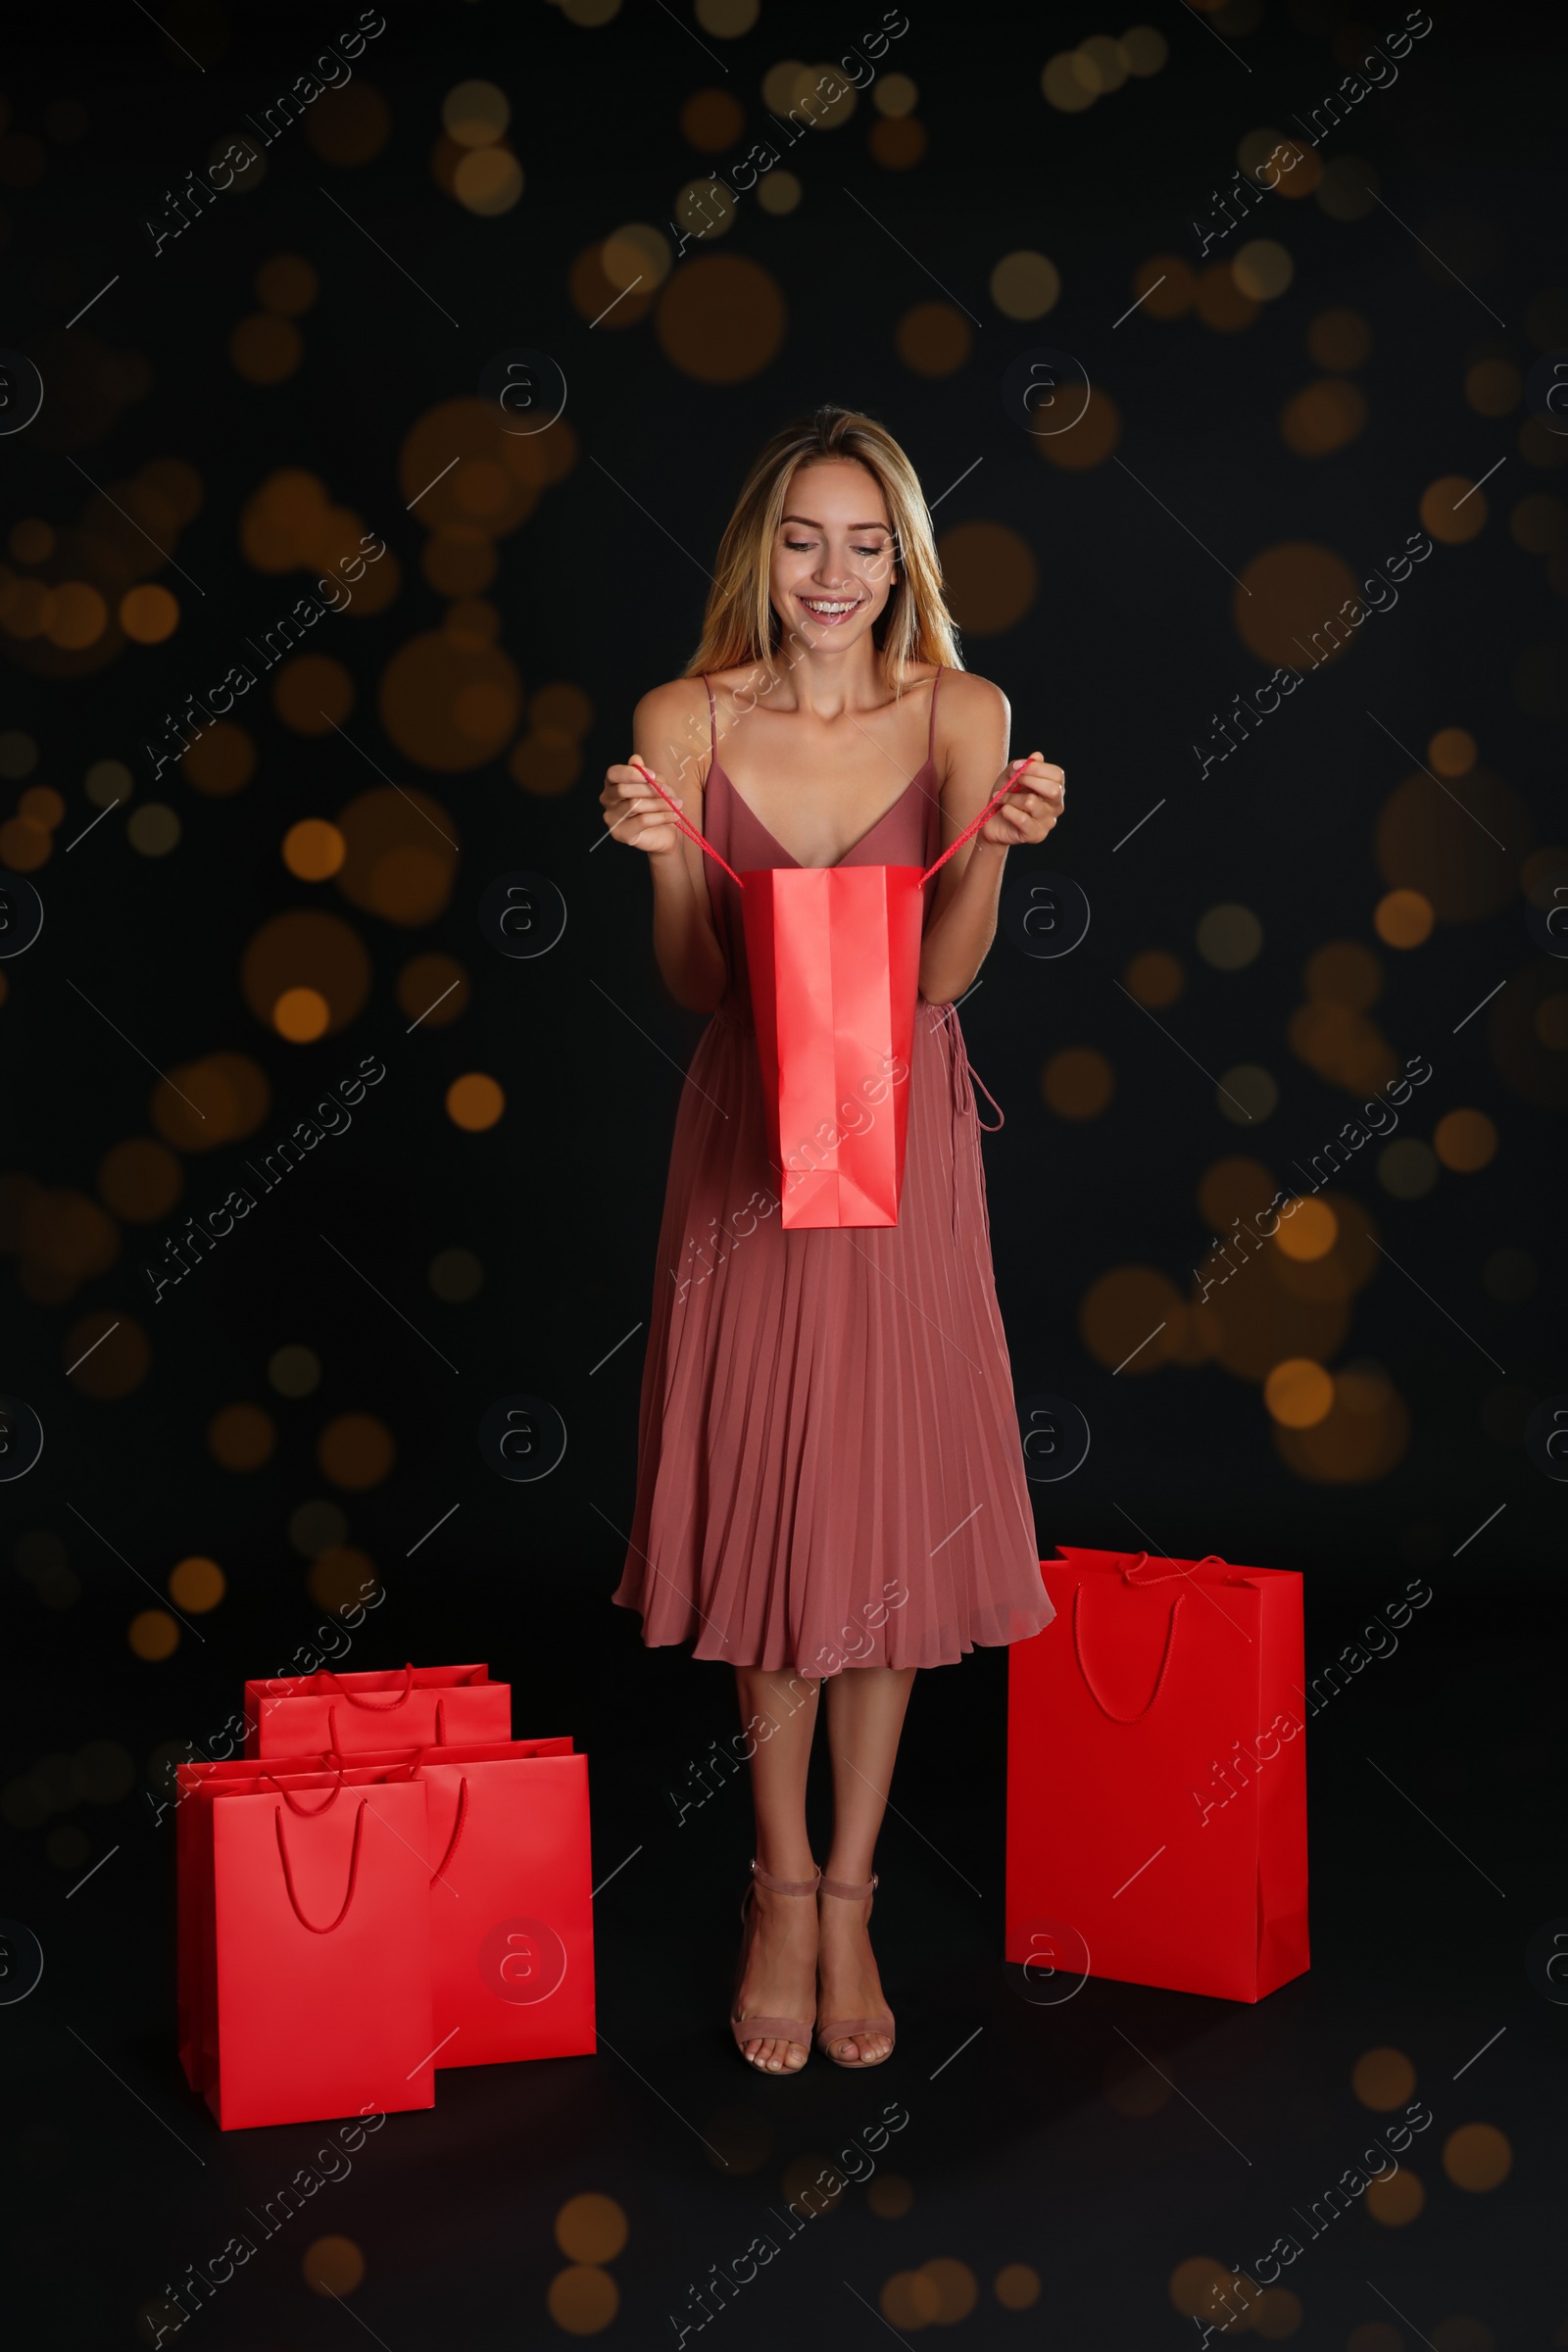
x: 635, y: 814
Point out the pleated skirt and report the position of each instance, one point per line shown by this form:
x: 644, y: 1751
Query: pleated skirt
x: 829, y: 1467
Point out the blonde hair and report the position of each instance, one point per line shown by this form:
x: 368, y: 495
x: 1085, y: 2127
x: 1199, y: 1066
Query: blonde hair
x: 741, y: 626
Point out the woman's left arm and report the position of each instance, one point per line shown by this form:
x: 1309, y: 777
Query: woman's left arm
x: 976, y: 722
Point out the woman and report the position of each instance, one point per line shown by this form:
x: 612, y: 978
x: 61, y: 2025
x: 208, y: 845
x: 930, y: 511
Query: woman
x: 830, y: 1483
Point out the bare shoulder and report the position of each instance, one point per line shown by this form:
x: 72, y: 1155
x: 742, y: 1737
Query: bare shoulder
x: 973, y: 723
x: 670, y: 729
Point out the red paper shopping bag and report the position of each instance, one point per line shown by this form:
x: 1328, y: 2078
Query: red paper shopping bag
x: 512, y: 1933
x: 833, y: 956
x: 197, y: 1786
x: 316, y: 1951
x: 305, y: 1714
x: 1156, y: 1776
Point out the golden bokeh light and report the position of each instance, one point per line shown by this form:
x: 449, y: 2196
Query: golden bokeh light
x: 1428, y: 840
x: 955, y: 2287
x: 302, y: 1015
x: 106, y: 1355
x: 200, y: 1105
x: 342, y: 1579
x: 488, y: 181
x: 313, y: 694
x: 583, y: 2299
x: 1156, y: 978
x: 197, y: 1585
x: 153, y: 1635
x: 313, y: 848
x: 221, y: 760
x: 1290, y: 591
x: 1477, y: 2157
x: 722, y: 318
x: 264, y: 349
x: 1361, y: 1437
x: 333, y: 2266
x: 241, y: 1436
x: 474, y: 1103
x: 448, y: 706
x: 1025, y: 285
x: 349, y: 125
x: 1452, y: 752
x: 1016, y: 2286
x: 1344, y: 972
x: 1465, y: 1141
x: 1299, y: 1393
x: 305, y: 951
x: 1276, y: 2315
x: 1165, y: 286
x: 636, y: 254
x: 287, y: 285
x: 1403, y: 918
x: 1492, y: 387
x: 1121, y: 1318
x: 1384, y: 2079
x: 933, y: 339
x: 1396, y: 2202
x: 1077, y: 1083
x: 591, y: 2228
x: 890, y: 2196
x: 139, y: 1180
x: 1323, y: 418
x: 1197, y: 2286
x: 991, y: 573
x: 477, y: 112
x: 355, y: 1450
x: 401, y: 855
x: 1089, y: 441
x: 1310, y: 1232
x: 908, y: 2300
x: 1452, y: 509
x: 1221, y: 302
x: 1262, y: 269
x: 712, y: 120
x: 433, y: 990
x: 149, y: 614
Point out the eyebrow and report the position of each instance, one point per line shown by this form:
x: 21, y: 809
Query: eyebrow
x: 821, y: 526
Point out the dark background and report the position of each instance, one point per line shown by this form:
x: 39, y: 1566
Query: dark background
x: 1127, y: 641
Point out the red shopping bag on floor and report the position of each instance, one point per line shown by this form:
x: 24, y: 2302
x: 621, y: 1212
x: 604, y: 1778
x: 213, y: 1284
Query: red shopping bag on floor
x: 305, y: 1714
x: 1157, y: 1778
x: 197, y: 1786
x: 316, y: 1949
x: 833, y: 956
x: 511, y: 1926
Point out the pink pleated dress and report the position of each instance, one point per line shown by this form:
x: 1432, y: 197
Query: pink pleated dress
x: 829, y: 1469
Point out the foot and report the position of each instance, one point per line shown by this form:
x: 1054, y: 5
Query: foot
x: 780, y: 1975
x: 847, y: 1982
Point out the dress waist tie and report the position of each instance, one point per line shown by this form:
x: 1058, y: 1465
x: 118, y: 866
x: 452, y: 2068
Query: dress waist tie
x: 965, y: 1081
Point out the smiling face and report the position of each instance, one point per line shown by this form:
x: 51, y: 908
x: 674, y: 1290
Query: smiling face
x: 832, y: 569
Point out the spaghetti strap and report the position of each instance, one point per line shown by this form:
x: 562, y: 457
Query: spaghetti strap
x: 931, y: 738
x: 712, y: 724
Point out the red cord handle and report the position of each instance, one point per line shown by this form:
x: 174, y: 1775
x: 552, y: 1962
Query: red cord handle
x: 457, y: 1827
x: 1170, y: 1629
x: 309, y: 1811
x: 440, y: 1740
x: 371, y: 1707
x: 969, y: 831
x: 684, y: 824
x: 354, y: 1873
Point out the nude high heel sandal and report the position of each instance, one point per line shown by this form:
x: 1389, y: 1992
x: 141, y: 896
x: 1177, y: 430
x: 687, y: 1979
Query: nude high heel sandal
x: 768, y: 2028
x: 847, y: 2029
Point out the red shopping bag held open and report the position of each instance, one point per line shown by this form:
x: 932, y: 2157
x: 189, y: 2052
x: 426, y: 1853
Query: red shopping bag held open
x: 833, y: 955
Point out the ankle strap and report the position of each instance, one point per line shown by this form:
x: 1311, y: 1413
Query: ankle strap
x: 787, y: 1886
x: 850, y: 1895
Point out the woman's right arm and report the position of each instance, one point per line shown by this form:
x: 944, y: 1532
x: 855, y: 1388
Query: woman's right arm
x: 685, y: 942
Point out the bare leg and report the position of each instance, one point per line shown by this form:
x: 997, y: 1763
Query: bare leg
x: 781, y: 1978
x: 866, y: 1708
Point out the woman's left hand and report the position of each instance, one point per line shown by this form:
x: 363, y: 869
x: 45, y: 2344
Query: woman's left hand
x: 1033, y: 805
